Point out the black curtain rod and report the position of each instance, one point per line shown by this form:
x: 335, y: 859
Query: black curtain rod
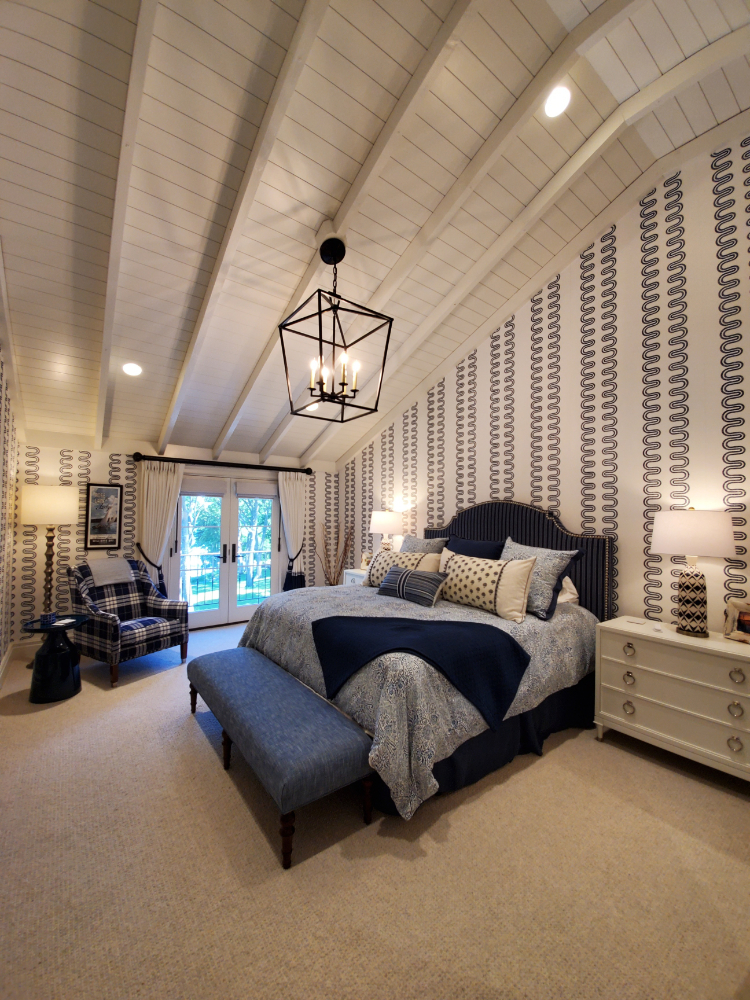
x: 137, y: 457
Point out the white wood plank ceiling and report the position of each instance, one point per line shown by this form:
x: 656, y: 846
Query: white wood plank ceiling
x: 167, y: 170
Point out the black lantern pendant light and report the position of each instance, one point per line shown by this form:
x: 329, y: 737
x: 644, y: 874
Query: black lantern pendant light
x: 343, y: 343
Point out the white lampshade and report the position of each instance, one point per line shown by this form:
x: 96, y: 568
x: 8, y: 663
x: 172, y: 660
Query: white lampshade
x: 48, y: 505
x: 694, y: 533
x: 385, y: 522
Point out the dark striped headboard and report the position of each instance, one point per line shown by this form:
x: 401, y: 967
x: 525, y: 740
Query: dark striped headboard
x: 497, y: 519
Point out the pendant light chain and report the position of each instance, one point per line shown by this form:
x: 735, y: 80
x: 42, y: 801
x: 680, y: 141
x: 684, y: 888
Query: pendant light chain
x: 335, y: 278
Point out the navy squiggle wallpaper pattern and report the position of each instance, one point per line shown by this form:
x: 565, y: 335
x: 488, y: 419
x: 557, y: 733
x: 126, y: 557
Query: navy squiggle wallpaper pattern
x: 650, y: 308
x: 730, y: 346
x: 584, y: 401
x: 588, y: 393
x: 8, y: 507
x: 608, y: 264
x: 553, y: 395
x: 537, y: 347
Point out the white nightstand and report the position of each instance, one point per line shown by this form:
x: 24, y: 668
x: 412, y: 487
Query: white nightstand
x: 688, y: 695
x: 354, y: 576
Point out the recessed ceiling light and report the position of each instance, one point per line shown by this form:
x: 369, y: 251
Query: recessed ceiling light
x: 132, y: 369
x: 312, y: 406
x: 557, y: 102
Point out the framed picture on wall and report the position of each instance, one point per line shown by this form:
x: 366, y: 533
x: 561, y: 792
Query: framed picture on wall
x: 103, y: 516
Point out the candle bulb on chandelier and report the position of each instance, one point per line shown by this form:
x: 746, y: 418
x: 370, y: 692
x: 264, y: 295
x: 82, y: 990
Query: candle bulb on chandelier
x: 355, y: 368
x: 324, y: 376
x: 344, y: 359
x: 313, y: 366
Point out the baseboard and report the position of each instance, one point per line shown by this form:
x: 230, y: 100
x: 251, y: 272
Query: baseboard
x: 5, y: 661
x: 17, y: 650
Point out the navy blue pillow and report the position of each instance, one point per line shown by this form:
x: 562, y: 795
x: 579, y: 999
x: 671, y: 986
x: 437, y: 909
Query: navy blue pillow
x: 479, y: 550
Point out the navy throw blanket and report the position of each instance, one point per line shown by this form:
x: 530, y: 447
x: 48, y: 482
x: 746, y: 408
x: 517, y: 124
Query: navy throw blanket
x: 484, y: 663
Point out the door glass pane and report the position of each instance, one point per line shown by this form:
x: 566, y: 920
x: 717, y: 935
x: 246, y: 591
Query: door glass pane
x: 200, y: 552
x: 255, y: 517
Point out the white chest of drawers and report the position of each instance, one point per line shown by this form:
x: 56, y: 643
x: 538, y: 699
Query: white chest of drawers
x: 354, y: 576
x: 688, y: 695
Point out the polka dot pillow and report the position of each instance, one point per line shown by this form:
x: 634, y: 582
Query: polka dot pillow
x: 428, y: 562
x: 495, y: 585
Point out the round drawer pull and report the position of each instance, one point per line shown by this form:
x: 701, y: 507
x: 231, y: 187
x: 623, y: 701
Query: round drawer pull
x: 737, y: 675
x: 628, y: 677
x: 735, y: 709
x: 629, y: 708
x: 735, y: 744
x: 629, y: 649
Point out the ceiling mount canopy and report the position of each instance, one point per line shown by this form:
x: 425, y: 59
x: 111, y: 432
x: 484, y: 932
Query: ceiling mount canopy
x: 338, y: 342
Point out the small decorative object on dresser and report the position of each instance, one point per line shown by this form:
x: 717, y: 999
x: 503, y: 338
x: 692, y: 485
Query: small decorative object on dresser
x: 700, y: 533
x: 355, y: 576
x: 685, y: 694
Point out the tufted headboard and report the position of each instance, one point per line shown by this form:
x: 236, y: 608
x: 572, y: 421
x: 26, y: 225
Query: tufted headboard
x: 497, y: 519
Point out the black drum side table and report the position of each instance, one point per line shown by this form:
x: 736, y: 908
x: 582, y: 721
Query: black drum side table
x: 56, y: 673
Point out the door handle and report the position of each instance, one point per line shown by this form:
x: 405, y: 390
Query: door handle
x: 234, y: 552
x: 224, y: 554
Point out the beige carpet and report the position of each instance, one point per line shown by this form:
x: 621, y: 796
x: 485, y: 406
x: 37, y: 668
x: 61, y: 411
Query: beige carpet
x: 134, y: 866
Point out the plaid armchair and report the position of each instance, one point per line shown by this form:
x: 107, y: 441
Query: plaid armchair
x: 126, y: 620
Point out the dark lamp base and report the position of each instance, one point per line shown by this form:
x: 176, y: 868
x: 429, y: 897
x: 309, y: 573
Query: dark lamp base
x: 698, y: 635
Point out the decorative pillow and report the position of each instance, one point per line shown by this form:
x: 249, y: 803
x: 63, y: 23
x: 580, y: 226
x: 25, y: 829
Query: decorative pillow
x: 429, y: 562
x: 495, y: 585
x: 413, y: 544
x: 478, y: 550
x: 568, y: 594
x: 412, y: 585
x: 551, y: 566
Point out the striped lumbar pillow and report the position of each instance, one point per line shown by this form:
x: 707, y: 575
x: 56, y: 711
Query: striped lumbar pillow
x: 495, y: 585
x: 428, y: 561
x: 412, y: 585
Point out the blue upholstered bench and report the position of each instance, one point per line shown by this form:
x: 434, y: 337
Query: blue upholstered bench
x: 300, y: 747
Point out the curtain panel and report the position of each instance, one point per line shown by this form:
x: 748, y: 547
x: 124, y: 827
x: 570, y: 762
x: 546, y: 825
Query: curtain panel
x: 293, y: 496
x: 158, y: 493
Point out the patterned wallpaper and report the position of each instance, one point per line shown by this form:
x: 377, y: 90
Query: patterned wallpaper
x: 8, y: 500
x: 616, y: 391
x: 69, y: 467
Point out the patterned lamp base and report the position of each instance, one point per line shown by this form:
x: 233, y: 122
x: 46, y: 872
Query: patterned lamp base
x: 691, y: 602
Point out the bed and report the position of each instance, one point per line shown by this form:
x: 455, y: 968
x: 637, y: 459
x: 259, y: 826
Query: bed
x: 426, y: 736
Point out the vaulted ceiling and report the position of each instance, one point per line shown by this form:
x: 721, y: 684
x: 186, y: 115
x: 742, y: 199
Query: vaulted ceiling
x: 168, y: 169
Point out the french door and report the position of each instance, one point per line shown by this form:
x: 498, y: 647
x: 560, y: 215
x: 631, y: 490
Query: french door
x: 224, y: 563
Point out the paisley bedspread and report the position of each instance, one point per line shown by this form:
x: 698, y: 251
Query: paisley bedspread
x: 415, y: 715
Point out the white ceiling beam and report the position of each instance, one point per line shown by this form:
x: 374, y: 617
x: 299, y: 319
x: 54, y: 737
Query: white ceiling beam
x: 586, y: 34
x: 430, y: 65
x: 138, y: 65
x: 683, y: 75
x: 7, y: 347
x: 296, y: 57
x: 716, y: 137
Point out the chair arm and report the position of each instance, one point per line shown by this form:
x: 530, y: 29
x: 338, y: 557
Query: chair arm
x: 161, y: 607
x: 101, y: 624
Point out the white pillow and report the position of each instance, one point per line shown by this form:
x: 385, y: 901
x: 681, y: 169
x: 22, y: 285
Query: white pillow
x: 568, y: 593
x: 500, y: 586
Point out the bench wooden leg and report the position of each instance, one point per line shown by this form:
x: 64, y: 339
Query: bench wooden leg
x: 226, y: 744
x: 193, y: 699
x: 367, y: 785
x: 114, y: 674
x: 287, y: 832
x: 183, y: 650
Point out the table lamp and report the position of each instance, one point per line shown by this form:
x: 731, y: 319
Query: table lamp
x: 701, y: 533
x: 51, y: 506
x: 385, y: 522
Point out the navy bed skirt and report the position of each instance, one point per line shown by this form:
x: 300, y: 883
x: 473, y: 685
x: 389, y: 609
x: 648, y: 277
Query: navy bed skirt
x: 571, y: 708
